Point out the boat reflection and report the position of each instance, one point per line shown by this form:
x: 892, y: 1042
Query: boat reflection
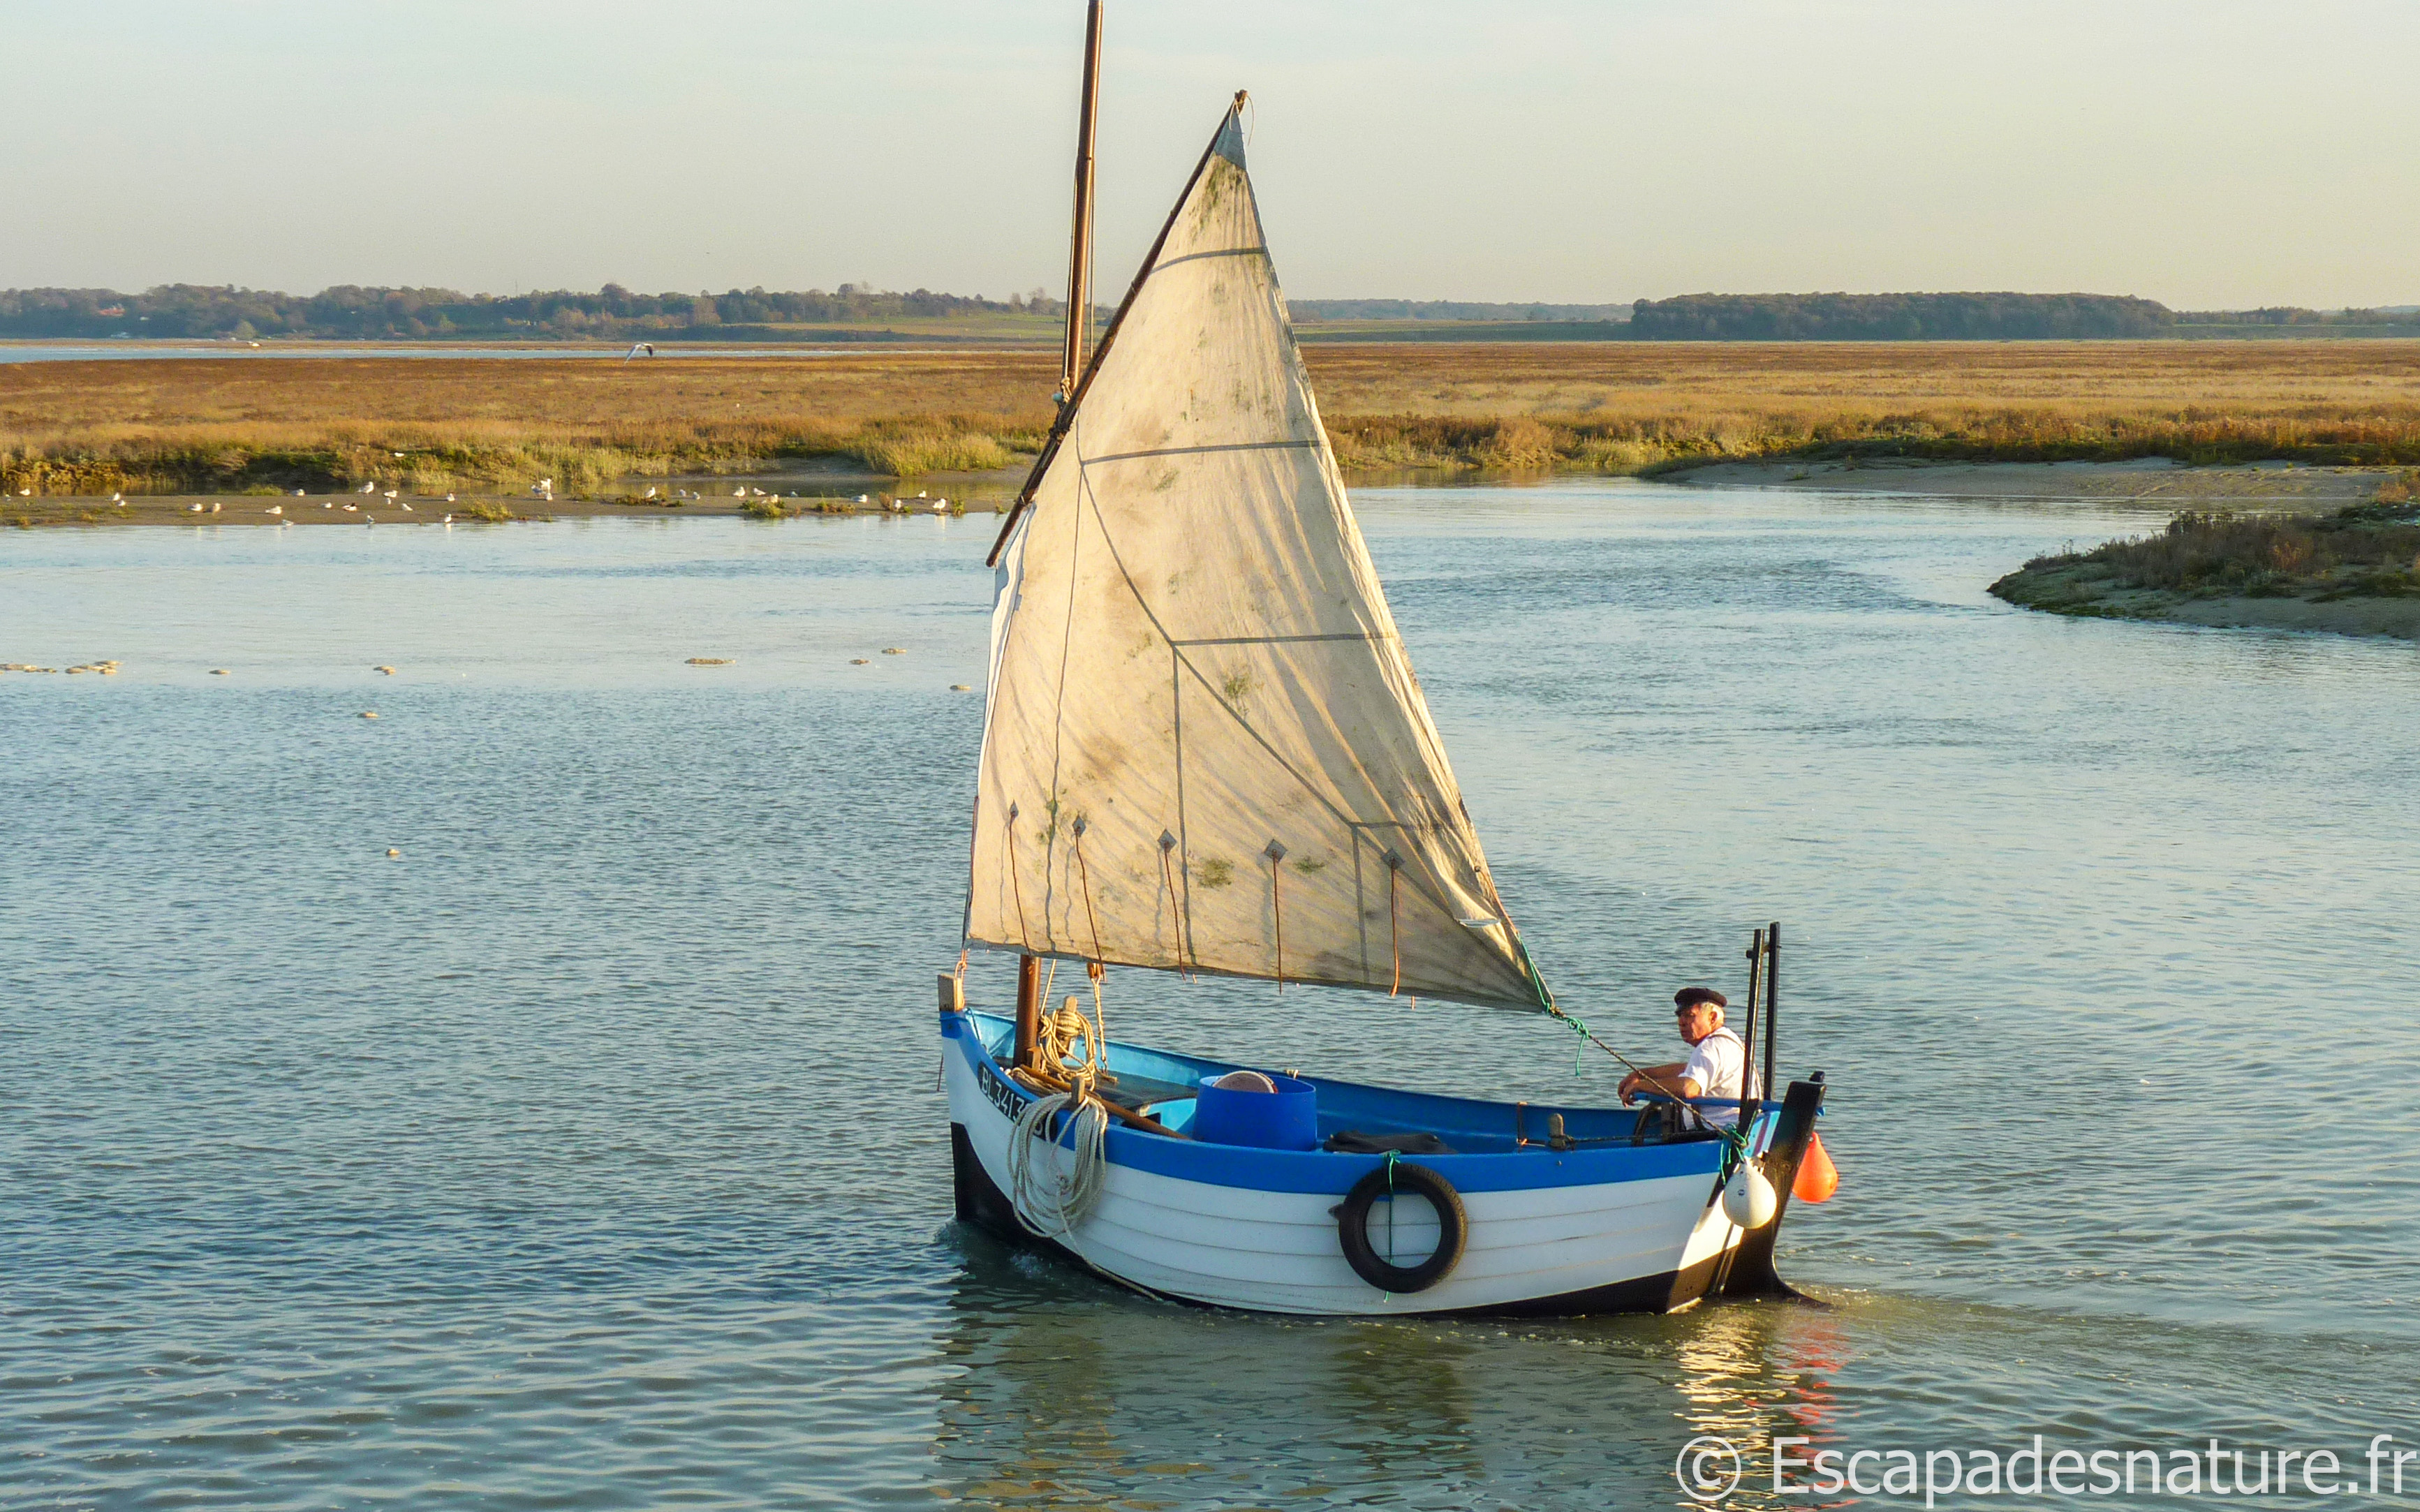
x: 1063, y: 1391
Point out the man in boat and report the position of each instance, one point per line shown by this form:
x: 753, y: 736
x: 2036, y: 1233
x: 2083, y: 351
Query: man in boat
x: 1717, y: 1063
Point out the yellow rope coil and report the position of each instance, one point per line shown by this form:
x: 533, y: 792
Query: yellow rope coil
x: 1068, y: 1051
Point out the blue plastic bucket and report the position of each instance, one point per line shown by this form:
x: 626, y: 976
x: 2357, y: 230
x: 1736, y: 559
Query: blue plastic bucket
x: 1287, y: 1118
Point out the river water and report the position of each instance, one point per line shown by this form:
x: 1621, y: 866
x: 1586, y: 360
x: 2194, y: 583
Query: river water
x: 586, y: 1154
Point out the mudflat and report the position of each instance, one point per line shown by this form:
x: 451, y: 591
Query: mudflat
x: 2086, y: 591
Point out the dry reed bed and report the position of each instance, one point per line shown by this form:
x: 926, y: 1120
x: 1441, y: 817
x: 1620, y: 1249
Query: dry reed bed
x: 232, y: 423
x: 2367, y: 550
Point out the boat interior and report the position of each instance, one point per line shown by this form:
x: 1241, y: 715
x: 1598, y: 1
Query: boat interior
x: 1353, y: 1117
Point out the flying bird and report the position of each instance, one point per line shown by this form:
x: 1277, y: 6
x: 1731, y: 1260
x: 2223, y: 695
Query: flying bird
x: 644, y: 348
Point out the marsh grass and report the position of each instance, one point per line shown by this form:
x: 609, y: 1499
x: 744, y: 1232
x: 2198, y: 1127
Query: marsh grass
x: 2364, y: 551
x: 490, y: 513
x: 1648, y: 407
x: 228, y: 425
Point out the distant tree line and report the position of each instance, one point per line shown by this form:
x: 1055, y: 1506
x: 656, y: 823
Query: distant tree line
x: 2288, y: 315
x: 1977, y: 317
x: 189, y: 311
x: 1897, y: 317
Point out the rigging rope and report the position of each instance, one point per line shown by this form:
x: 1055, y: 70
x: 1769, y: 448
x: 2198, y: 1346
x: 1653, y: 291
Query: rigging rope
x: 1276, y: 853
x: 1732, y: 1136
x: 1085, y: 874
x: 1015, y: 885
x: 1175, y: 914
x: 1394, y: 929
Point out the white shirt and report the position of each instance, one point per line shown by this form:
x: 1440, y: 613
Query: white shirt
x: 1718, y: 1064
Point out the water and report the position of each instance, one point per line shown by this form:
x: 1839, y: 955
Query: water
x: 586, y: 1154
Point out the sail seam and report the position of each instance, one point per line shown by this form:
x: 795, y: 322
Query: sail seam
x: 1196, y: 451
x: 1280, y: 640
x: 1196, y: 256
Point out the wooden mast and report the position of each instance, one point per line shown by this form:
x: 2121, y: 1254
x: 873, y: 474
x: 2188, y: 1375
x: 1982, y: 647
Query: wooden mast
x: 1080, y: 256
x: 1080, y: 322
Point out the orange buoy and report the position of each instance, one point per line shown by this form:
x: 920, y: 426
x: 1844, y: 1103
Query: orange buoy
x: 1818, y: 1178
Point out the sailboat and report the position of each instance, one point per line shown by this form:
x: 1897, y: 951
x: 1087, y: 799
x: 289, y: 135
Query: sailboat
x: 1204, y: 753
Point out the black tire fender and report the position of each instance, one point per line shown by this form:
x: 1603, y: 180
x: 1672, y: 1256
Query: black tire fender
x: 1353, y: 1227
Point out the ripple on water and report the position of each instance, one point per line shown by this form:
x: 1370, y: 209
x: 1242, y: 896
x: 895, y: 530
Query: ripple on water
x: 585, y: 1154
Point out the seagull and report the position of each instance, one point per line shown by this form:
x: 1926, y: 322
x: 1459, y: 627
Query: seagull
x: 940, y: 506
x: 298, y: 493
x: 275, y: 509
x: 195, y: 509
x: 644, y: 348
x: 651, y: 492
x: 329, y: 503
x: 738, y: 493
x: 447, y: 520
x: 370, y: 487
x: 117, y: 499
x: 449, y: 498
x: 860, y: 499
x: 352, y: 509
x: 406, y: 509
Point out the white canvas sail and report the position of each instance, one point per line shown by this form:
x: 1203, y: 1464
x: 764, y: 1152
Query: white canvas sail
x: 1203, y: 746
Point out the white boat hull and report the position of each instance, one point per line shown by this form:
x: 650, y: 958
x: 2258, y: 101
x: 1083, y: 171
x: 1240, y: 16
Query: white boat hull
x: 1643, y: 1244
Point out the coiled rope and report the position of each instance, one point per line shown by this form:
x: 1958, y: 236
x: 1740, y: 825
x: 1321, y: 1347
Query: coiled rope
x: 1070, y: 1054
x: 1051, y: 1202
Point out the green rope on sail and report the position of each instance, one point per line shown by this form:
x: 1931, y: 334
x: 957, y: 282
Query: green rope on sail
x: 1579, y: 1051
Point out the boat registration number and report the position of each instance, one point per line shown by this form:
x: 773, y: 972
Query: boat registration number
x: 997, y: 1092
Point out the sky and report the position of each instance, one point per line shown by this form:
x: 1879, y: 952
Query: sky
x: 2204, y: 153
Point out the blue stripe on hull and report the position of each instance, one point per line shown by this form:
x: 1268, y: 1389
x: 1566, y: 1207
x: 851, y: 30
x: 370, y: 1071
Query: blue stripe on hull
x: 1462, y: 1122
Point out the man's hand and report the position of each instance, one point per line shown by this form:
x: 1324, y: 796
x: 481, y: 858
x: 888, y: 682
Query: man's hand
x: 1664, y: 1080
